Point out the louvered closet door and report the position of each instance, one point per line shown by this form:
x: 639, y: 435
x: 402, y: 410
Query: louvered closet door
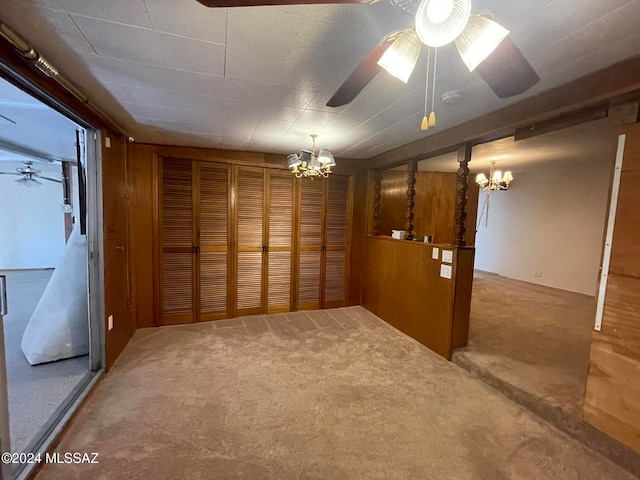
x: 177, y: 296
x: 279, y: 240
x: 213, y: 215
x: 337, y: 228
x: 249, y: 258
x: 310, y: 251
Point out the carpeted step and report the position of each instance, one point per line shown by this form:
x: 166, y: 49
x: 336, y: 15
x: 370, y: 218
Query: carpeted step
x: 563, y: 419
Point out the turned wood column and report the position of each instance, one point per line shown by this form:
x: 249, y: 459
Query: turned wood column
x: 377, y: 176
x: 412, y: 166
x: 462, y: 185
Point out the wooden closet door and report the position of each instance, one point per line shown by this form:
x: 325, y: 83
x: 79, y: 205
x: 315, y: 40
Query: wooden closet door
x: 310, y: 229
x: 250, y: 214
x: 337, y: 239
x: 177, y: 286
x: 279, y: 241
x: 213, y: 235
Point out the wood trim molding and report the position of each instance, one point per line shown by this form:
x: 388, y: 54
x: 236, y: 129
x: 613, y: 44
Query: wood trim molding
x: 346, y: 166
x: 618, y: 83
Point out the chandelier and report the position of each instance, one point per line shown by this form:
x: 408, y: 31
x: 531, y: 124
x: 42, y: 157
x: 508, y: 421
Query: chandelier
x: 310, y: 164
x: 494, y: 183
x: 497, y: 182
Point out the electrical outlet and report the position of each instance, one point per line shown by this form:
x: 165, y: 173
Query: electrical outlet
x: 110, y: 322
x: 538, y: 273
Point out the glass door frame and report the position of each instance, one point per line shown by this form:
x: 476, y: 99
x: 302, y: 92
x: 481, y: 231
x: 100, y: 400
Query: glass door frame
x: 54, y: 426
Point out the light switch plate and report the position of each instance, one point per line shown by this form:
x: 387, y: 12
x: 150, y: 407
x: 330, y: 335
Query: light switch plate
x: 447, y: 256
x: 107, y: 142
x: 110, y: 322
x: 445, y: 271
x: 435, y: 253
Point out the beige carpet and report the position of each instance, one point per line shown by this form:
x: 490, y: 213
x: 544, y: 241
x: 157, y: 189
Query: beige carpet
x: 533, y: 337
x: 35, y: 392
x: 532, y: 344
x: 333, y: 394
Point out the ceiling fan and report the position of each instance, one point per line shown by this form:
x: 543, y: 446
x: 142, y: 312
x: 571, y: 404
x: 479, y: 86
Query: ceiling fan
x: 29, y: 175
x: 505, y: 69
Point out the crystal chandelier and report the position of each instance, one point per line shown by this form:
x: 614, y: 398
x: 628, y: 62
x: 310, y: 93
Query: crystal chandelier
x: 310, y: 164
x: 494, y: 183
x: 497, y: 182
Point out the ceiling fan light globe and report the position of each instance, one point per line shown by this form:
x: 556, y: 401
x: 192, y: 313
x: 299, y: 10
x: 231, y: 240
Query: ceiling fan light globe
x: 439, y: 10
x: 440, y: 22
x: 28, y: 182
x: 401, y: 57
x: 479, y: 39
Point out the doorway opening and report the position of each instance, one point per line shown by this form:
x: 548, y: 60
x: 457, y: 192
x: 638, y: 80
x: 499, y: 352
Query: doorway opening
x: 538, y: 251
x: 52, y: 338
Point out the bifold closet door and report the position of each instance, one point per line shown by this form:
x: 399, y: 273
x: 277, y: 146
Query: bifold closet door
x: 212, y: 221
x: 178, y: 256
x: 336, y: 241
x: 311, y: 208
x: 250, y: 214
x: 279, y: 241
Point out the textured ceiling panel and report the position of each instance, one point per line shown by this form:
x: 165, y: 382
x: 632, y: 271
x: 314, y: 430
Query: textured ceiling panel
x: 259, y: 77
x: 182, y: 53
x: 127, y: 12
x: 122, y: 42
x: 188, y: 19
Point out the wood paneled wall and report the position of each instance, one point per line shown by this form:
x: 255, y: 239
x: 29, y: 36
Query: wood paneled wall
x: 117, y: 285
x: 435, y: 205
x: 143, y: 174
x: 403, y: 286
x: 435, y: 210
x: 612, y: 399
x: 393, y: 201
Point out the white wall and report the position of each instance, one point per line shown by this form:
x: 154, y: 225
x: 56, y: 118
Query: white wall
x: 31, y: 222
x: 551, y: 219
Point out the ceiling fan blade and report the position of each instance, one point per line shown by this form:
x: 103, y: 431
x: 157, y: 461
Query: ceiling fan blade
x: 257, y: 3
x: 507, y: 71
x: 10, y: 173
x: 57, y: 180
x: 361, y: 75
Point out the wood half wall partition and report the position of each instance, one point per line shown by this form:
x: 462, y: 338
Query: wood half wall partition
x: 405, y: 284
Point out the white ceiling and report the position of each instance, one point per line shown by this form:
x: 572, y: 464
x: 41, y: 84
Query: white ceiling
x: 258, y: 78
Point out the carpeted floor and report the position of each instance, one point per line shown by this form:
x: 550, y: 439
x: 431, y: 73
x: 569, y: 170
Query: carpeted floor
x: 34, y: 391
x: 330, y: 394
x: 531, y: 337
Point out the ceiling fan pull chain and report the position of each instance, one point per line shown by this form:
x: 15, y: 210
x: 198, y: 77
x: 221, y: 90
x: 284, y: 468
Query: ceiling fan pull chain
x: 432, y: 115
x: 425, y: 121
